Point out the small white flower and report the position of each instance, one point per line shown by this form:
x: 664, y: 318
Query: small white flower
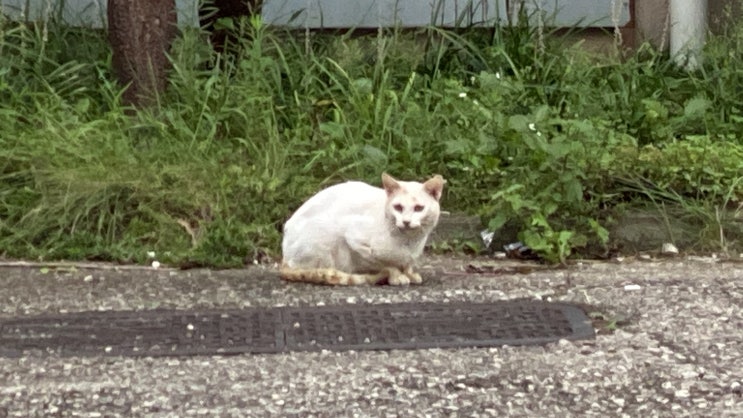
x: 472, y: 79
x: 533, y: 126
x: 155, y: 264
x: 462, y: 95
x: 475, y: 102
x: 539, y: 133
x: 497, y: 75
x: 151, y: 254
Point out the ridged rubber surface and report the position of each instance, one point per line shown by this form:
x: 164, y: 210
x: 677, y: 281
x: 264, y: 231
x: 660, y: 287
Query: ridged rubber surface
x: 282, y: 329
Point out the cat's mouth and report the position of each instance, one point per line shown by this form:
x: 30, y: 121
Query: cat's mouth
x: 408, y: 228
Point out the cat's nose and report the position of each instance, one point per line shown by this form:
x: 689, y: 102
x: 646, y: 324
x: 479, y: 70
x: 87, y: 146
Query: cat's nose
x: 406, y: 224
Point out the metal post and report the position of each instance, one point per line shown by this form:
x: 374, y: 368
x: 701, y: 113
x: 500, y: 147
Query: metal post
x: 688, y: 31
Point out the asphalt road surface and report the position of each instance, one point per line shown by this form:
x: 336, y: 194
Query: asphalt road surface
x: 671, y: 345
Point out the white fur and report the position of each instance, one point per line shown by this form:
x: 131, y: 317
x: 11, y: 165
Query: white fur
x: 357, y: 228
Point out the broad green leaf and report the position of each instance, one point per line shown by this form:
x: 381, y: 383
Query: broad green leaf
x: 696, y: 107
x: 376, y: 155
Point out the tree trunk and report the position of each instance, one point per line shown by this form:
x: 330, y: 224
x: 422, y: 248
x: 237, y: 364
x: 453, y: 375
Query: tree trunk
x: 140, y: 33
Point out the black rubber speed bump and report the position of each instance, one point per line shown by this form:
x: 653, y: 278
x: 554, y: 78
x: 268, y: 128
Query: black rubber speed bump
x: 282, y: 329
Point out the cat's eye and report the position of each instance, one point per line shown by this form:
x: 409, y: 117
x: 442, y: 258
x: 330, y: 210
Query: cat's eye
x: 418, y: 208
x: 397, y: 207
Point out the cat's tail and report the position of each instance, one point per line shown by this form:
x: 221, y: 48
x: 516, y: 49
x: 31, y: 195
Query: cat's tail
x: 329, y: 276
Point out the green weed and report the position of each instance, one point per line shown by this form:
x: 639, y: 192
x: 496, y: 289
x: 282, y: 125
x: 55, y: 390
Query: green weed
x: 527, y: 129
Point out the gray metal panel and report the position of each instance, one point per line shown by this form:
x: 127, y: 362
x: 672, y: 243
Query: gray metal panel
x: 76, y: 13
x: 317, y: 14
x: 90, y: 13
x: 584, y: 13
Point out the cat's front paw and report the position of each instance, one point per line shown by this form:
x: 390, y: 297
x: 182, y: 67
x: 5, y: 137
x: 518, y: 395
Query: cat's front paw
x: 414, y: 277
x: 397, y: 278
x: 400, y: 280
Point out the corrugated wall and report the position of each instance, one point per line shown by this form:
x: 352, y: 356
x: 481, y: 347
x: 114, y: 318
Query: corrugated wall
x: 357, y: 13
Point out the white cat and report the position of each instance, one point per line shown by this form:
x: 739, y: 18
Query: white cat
x: 354, y: 233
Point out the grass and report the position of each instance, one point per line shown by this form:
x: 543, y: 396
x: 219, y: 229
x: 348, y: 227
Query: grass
x: 549, y: 137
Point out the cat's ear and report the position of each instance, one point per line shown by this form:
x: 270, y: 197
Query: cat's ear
x: 434, y: 186
x: 390, y: 184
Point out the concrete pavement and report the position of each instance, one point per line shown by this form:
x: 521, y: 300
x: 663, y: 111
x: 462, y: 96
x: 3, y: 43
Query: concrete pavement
x: 678, y: 350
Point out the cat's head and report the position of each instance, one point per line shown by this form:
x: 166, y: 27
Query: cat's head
x: 413, y: 206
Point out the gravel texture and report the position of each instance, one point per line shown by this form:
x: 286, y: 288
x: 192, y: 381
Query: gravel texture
x: 678, y: 350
